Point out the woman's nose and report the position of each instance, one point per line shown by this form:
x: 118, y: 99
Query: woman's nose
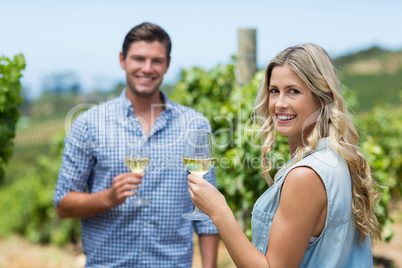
x: 282, y: 101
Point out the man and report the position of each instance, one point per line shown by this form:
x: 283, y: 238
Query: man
x: 95, y: 185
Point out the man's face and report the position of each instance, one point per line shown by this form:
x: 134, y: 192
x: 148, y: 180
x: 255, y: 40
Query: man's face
x: 145, y: 65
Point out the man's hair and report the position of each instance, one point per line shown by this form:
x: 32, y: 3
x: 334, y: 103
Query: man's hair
x: 148, y: 32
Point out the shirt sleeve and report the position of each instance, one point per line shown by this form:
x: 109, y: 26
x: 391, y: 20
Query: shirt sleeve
x: 206, y: 227
x: 77, y: 160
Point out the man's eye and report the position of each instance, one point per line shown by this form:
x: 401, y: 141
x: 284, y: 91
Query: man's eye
x: 158, y: 61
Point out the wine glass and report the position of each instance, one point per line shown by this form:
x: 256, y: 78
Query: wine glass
x: 198, y: 158
x: 137, y: 159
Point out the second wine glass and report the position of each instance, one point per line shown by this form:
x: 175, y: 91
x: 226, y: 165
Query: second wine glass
x: 137, y: 159
x: 198, y: 158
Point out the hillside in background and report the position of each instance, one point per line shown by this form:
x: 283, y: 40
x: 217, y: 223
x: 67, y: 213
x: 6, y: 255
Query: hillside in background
x: 375, y: 75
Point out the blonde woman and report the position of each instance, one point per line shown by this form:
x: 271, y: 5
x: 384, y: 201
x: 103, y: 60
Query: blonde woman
x: 319, y: 210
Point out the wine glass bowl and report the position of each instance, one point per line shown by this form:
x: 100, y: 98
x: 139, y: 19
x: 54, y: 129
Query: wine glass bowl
x: 136, y: 163
x: 198, y: 158
x: 137, y: 159
x: 199, y: 165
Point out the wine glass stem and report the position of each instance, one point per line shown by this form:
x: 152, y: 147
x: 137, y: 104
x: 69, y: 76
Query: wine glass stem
x: 196, y: 210
x: 138, y: 195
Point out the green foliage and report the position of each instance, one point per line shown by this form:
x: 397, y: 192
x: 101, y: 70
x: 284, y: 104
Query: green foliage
x: 27, y: 202
x: 10, y: 99
x: 383, y: 145
x: 381, y: 131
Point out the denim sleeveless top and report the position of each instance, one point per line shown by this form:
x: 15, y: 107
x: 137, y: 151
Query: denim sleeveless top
x: 337, y: 246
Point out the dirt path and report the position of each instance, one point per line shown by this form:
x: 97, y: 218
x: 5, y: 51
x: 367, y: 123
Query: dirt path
x: 16, y: 252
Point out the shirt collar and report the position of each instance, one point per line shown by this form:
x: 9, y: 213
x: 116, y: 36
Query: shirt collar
x: 128, y: 108
x: 323, y: 143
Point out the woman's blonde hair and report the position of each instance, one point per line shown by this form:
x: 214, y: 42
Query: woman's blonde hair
x: 314, y: 66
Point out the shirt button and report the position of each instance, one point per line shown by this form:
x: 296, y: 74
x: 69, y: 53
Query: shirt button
x: 143, y: 253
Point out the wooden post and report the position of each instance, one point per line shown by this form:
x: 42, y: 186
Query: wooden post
x: 246, y: 56
x: 245, y: 70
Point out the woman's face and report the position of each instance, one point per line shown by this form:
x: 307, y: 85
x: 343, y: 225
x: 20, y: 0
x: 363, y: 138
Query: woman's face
x: 291, y: 103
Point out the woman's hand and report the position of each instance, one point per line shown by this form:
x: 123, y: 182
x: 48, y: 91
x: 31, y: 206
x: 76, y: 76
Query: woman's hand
x: 205, y: 196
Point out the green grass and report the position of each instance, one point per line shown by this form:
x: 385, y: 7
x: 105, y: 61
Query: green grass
x: 22, y: 158
x: 375, y: 88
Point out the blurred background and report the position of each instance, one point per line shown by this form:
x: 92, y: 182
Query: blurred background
x: 62, y: 54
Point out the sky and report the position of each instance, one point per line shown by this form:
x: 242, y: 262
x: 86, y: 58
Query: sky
x: 85, y: 37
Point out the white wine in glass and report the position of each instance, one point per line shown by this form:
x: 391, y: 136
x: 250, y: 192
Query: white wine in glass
x: 137, y: 165
x: 198, y: 166
x: 198, y: 158
x: 137, y: 160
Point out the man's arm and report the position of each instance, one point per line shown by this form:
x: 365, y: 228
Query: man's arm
x: 79, y: 205
x: 209, y: 249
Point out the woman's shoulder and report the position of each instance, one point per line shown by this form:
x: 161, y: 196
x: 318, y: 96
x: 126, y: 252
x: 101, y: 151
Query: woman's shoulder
x: 304, y: 178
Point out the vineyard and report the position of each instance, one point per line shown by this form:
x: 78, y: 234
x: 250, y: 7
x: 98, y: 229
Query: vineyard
x: 26, y: 192
x: 39, y: 134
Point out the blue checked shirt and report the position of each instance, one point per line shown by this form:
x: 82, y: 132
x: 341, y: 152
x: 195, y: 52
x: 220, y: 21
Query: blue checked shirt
x: 126, y: 236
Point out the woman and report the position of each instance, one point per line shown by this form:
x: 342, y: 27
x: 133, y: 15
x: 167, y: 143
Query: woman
x: 319, y: 211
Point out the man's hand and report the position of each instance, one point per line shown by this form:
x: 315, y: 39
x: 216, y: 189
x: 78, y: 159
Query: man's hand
x: 81, y: 205
x: 122, y: 187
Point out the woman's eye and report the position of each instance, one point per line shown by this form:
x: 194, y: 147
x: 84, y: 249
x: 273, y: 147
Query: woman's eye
x: 294, y: 91
x: 273, y: 90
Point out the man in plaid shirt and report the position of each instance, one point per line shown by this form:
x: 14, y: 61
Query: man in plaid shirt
x: 95, y: 186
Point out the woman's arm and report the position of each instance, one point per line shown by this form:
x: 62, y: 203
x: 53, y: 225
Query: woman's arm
x: 300, y: 215
x: 303, y: 200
